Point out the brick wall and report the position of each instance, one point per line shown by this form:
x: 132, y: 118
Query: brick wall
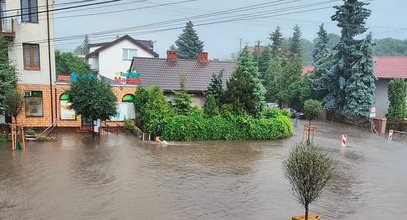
x: 46, y: 119
x: 57, y: 91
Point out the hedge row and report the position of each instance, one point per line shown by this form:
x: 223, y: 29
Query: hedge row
x: 242, y: 127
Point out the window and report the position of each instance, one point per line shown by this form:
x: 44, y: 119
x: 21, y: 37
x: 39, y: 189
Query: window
x: 66, y: 112
x: 33, y: 104
x: 128, y: 54
x: 29, y: 11
x: 31, y: 53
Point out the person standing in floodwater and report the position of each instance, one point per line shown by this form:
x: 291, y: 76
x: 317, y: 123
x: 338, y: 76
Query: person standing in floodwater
x: 296, y: 115
x: 158, y: 132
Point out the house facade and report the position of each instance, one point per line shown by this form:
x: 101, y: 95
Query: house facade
x: 165, y: 72
x: 30, y: 34
x: 112, y: 59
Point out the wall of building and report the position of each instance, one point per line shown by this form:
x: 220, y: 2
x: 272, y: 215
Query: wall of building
x: 381, y: 97
x: 94, y: 62
x: 35, y: 33
x: 111, y: 59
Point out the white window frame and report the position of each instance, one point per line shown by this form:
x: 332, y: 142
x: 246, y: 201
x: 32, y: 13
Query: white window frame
x: 126, y: 53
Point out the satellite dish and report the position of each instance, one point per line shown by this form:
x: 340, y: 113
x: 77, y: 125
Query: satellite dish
x: 18, y: 17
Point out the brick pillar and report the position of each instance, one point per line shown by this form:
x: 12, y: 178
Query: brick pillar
x: 380, y: 124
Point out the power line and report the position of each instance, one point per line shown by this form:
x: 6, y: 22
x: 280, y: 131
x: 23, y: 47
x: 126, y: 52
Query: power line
x: 59, y: 9
x: 44, y: 6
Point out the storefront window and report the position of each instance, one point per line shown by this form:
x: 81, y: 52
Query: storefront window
x: 33, y: 104
x: 66, y: 112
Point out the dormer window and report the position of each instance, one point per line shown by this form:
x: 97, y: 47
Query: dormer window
x: 29, y: 11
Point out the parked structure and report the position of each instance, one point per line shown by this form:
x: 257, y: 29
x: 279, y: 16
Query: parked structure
x: 31, y: 50
x: 110, y: 59
x: 166, y: 73
x: 386, y: 68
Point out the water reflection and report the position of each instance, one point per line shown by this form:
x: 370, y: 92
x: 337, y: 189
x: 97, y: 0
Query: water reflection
x: 118, y: 177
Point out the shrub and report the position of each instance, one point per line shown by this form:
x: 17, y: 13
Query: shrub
x: 3, y: 136
x: 30, y: 132
x: 272, y: 112
x: 397, y: 90
x: 312, y: 108
x: 45, y: 138
x: 240, y: 127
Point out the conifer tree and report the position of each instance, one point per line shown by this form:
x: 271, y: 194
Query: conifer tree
x: 321, y: 49
x: 211, y: 109
x: 244, y: 89
x: 295, y: 42
x: 347, y: 73
x: 215, y: 88
x: 188, y: 43
x: 182, y: 100
x: 277, y: 41
x: 83, y: 49
x: 361, y: 85
x: 8, y: 73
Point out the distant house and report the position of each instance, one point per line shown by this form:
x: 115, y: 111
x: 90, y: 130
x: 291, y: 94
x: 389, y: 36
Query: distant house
x: 110, y: 59
x: 165, y: 72
x: 386, y: 68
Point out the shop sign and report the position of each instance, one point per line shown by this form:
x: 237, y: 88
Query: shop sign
x: 127, y: 77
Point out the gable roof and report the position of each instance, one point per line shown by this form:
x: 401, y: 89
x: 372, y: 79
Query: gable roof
x: 145, y: 45
x: 166, y: 74
x: 389, y: 67
x: 385, y: 67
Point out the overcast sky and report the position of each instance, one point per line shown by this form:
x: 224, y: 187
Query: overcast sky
x: 388, y: 19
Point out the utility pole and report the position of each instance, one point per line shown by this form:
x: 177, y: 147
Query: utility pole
x: 49, y: 64
x: 258, y: 51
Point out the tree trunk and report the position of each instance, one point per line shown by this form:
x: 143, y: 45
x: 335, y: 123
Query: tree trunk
x: 306, y: 212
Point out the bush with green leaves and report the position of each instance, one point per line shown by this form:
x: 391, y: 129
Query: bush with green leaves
x: 30, y: 132
x: 233, y: 127
x: 308, y: 169
x: 397, y: 90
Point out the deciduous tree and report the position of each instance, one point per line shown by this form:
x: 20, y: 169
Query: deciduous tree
x: 8, y: 73
x: 397, y: 90
x: 67, y: 63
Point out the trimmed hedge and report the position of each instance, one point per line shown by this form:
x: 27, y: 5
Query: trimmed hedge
x: 241, y: 127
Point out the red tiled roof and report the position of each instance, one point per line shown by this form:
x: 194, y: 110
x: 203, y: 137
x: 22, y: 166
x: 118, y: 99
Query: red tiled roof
x: 307, y: 69
x: 385, y: 67
x: 389, y: 67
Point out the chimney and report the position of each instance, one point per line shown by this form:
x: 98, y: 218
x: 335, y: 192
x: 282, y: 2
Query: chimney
x: 203, y: 57
x: 171, y: 55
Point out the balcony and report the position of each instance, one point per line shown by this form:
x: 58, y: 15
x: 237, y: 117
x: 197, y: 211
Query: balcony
x: 7, y: 27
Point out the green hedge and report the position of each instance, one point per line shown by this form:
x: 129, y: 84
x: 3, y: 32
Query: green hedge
x: 241, y: 127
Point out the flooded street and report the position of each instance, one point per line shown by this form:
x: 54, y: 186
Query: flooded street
x: 119, y: 177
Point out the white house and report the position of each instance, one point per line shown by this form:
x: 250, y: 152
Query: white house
x: 30, y: 32
x: 110, y: 59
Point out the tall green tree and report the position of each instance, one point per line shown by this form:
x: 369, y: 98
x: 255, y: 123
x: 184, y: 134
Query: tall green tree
x: 295, y: 44
x: 299, y: 92
x: 290, y: 74
x: 397, y: 90
x: 188, y: 43
x: 211, y: 109
x: 390, y: 47
x: 92, y: 98
x: 13, y: 103
x: 83, y: 49
x: 244, y: 89
x: 264, y: 60
x: 216, y: 89
x: 347, y: 73
x: 67, y: 63
x: 8, y: 73
x: 182, y: 102
x: 274, y: 71
x: 321, y: 49
x: 361, y: 83
x: 277, y: 41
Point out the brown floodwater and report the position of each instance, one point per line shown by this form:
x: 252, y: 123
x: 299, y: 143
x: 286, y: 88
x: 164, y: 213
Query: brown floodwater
x: 120, y: 177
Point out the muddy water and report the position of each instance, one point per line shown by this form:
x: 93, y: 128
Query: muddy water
x: 121, y: 178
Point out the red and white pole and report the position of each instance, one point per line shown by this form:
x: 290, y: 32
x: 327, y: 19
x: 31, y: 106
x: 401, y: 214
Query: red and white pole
x: 390, y: 135
x: 344, y: 137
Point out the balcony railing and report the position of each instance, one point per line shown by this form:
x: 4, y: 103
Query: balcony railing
x: 7, y: 27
